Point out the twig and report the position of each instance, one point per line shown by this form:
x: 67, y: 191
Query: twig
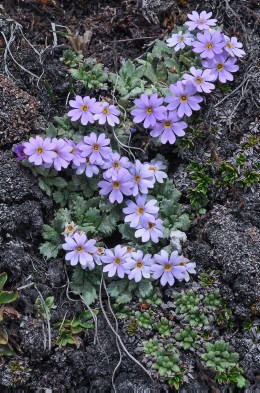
x: 25, y: 286
x: 115, y: 333
x: 132, y: 39
x: 47, y: 313
x: 96, y: 339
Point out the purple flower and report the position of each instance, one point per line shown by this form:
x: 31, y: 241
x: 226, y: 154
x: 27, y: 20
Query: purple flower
x: 114, y: 164
x: 189, y: 268
x: 168, y: 268
x: 115, y: 261
x: 221, y: 67
x: 76, y: 152
x: 140, y: 212
x: 142, y: 178
x: 200, y: 79
x: 148, y: 110
x: 200, y: 21
x: 151, y: 230
x: 155, y: 167
x: 179, y: 40
x: 209, y: 45
x: 121, y: 184
x: 81, y: 250
x: 19, y: 151
x: 40, y: 150
x: 84, y: 109
x: 63, y: 155
x: 95, y: 147
x: 169, y: 127
x: 139, y: 264
x: 233, y: 47
x: 184, y: 99
x: 89, y: 169
x: 108, y: 115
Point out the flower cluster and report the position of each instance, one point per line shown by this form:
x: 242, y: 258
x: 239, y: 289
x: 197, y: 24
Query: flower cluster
x: 133, y: 264
x: 217, y: 53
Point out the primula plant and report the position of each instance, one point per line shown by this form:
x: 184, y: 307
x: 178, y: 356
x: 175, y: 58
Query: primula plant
x: 116, y: 203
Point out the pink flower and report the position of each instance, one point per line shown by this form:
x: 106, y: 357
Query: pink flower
x: 148, y: 110
x: 108, y: 115
x: 84, y: 108
x: 200, y: 21
x: 168, y: 268
x: 185, y: 99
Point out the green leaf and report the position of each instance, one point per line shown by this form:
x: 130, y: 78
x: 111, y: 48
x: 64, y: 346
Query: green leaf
x: 86, y: 283
x: 144, y: 288
x: 48, y: 250
x: 3, y: 279
x: 59, y: 182
x: 44, y: 187
x: 8, y: 297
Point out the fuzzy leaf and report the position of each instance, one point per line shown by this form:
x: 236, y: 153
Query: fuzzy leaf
x: 8, y: 297
x: 145, y: 288
x: 3, y: 279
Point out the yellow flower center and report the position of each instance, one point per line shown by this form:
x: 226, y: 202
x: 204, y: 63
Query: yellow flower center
x: 106, y: 111
x: 139, y: 264
x: 167, y: 267
x: 140, y: 210
x: 209, y: 45
x: 167, y: 124
x: 100, y: 250
x: 96, y: 147
x: 116, y: 184
x: 40, y: 150
x: 229, y: 45
x: 149, y: 110
x: 220, y: 66
x: 198, y: 80
x: 153, y: 168
x: 116, y: 164
x: 137, y: 179
x: 181, y: 38
x: 200, y: 22
x: 117, y: 261
x: 69, y: 228
x: 151, y: 225
x: 182, y: 263
x: 84, y: 108
x: 79, y: 248
x: 73, y: 151
x: 183, y: 98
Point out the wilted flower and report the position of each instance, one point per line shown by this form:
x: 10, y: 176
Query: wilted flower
x: 81, y: 250
x: 200, y: 21
x: 168, y: 268
x: 156, y: 168
x: 140, y: 212
x: 169, y: 128
x: 179, y: 40
x: 39, y: 150
x: 148, y: 110
x: 221, y: 67
x: 114, y: 164
x: 115, y: 261
x: 142, y: 178
x: 108, y: 115
x: 209, y: 45
x: 89, y: 169
x: 70, y: 229
x: 84, y: 108
x: 151, y: 230
x: 95, y: 148
x: 19, y: 151
x: 116, y: 187
x: 184, y: 100
x: 200, y: 79
x: 233, y: 47
x: 139, y: 264
x: 63, y: 155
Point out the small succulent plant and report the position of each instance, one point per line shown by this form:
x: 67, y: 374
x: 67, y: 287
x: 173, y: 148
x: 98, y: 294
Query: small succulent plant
x: 197, y: 318
x: 187, y: 338
x: 166, y: 364
x: 218, y: 356
x: 153, y: 299
x: 164, y: 327
x: 187, y: 302
x: 151, y: 347
x: 144, y: 319
x: 213, y: 299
